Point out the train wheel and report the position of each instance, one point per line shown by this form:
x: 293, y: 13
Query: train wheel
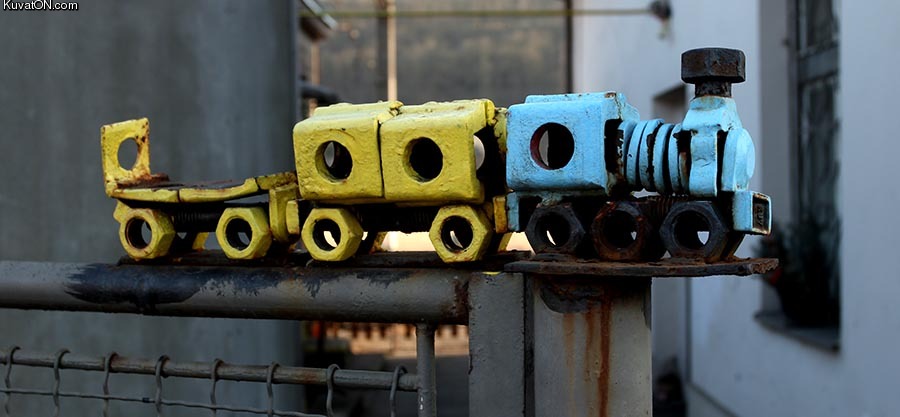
x: 696, y: 230
x: 461, y: 233
x: 243, y: 232
x: 331, y: 234
x: 146, y: 233
x: 555, y: 229
x: 622, y: 232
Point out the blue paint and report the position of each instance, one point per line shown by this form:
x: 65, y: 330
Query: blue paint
x: 584, y: 116
x: 751, y: 212
x: 647, y: 157
x: 706, y: 117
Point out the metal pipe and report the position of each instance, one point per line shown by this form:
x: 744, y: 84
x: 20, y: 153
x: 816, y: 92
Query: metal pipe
x: 225, y: 371
x: 263, y: 292
x: 425, y: 369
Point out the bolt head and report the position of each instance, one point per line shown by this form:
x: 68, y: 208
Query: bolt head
x: 713, y: 64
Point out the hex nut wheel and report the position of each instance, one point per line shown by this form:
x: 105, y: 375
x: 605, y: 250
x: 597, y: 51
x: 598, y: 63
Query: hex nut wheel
x: 555, y: 229
x: 131, y: 232
x: 623, y: 232
x: 342, y: 226
x: 680, y: 232
x: 461, y: 233
x: 243, y: 232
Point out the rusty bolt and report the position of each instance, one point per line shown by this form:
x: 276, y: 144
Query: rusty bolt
x: 713, y: 70
x: 682, y: 228
x: 612, y: 231
x: 555, y: 229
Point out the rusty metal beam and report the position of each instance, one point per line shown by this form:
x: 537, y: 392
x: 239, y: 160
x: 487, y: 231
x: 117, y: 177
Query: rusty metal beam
x: 398, y: 295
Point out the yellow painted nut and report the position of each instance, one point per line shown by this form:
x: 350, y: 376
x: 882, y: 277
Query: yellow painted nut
x: 343, y: 228
x: 278, y: 212
x: 292, y: 217
x: 500, y: 128
x: 243, y: 232
x: 137, y: 243
x: 428, y: 152
x: 461, y: 233
x: 501, y: 221
x: 111, y: 138
x: 336, y: 152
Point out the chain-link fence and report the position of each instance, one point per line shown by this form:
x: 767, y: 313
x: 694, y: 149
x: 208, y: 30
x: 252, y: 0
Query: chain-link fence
x: 163, y: 370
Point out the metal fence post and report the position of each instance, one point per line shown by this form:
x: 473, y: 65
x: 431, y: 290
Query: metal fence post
x: 591, y: 346
x: 425, y: 368
x: 497, y: 345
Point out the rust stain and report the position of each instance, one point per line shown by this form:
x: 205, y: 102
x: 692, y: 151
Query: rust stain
x: 603, y: 379
x: 144, y: 180
x: 569, y: 354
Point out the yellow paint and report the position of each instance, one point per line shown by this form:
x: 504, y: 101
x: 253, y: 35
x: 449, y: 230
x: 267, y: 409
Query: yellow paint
x: 162, y: 231
x: 355, y: 126
x: 111, y: 137
x: 268, y: 182
x: 213, y: 195
x: 350, y: 234
x: 482, y: 232
x: 260, y: 235
x: 499, y: 123
x: 155, y: 195
x: 292, y: 217
x: 501, y: 222
x: 278, y: 213
x: 198, y: 240
x: 452, y: 127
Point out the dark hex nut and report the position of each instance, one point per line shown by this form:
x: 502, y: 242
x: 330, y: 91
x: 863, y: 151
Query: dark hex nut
x: 681, y: 227
x: 612, y: 232
x: 555, y: 229
x: 713, y: 70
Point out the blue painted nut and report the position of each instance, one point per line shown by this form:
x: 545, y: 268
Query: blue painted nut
x: 623, y: 232
x: 556, y: 142
x: 686, y: 223
x: 555, y: 229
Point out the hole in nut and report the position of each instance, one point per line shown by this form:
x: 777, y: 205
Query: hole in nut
x: 336, y: 160
x: 619, y: 229
x: 238, y: 233
x: 554, y: 230
x: 552, y: 146
x: 127, y: 154
x: 691, y: 230
x: 425, y: 158
x: 138, y: 233
x: 456, y: 233
x: 326, y: 234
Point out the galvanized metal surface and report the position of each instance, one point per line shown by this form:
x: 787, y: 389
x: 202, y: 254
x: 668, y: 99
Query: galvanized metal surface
x: 295, y: 293
x: 591, y: 347
x: 497, y: 346
x: 568, y: 337
x: 425, y: 362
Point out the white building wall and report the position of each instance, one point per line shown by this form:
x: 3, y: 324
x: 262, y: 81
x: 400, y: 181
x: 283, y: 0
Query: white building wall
x: 734, y: 361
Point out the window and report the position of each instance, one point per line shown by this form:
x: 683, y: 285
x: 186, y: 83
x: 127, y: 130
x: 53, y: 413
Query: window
x: 818, y: 220
x: 808, y: 280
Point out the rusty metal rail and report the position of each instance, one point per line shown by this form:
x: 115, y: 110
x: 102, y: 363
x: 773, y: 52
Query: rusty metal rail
x: 568, y: 338
x: 435, y: 296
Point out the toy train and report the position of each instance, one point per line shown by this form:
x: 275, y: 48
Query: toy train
x: 561, y: 168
